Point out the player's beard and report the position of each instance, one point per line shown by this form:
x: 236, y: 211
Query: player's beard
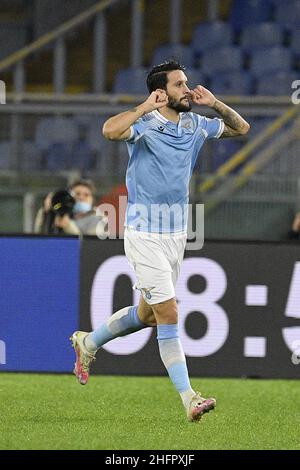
x: 181, y: 106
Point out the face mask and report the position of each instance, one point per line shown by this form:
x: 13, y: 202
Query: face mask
x: 81, y: 206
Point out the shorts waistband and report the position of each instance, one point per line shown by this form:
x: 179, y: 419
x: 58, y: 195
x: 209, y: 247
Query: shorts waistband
x: 156, y: 235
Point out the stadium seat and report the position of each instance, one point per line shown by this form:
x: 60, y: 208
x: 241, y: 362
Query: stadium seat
x: 222, y: 60
x: 106, y: 161
x: 103, y: 148
x: 57, y: 157
x: 5, y: 155
x: 55, y: 138
x: 195, y: 77
x: 82, y: 157
x: 245, y: 12
x: 261, y: 35
x: 30, y: 158
x: 13, y: 36
x: 94, y: 136
x: 278, y: 2
x: 42, y: 133
x: 288, y: 15
x: 235, y: 83
x: 83, y: 121
x: 223, y: 150
x: 267, y: 60
x: 173, y: 51
x: 259, y: 125
x: 131, y: 81
x: 120, y: 168
x: 50, y: 131
x: 211, y: 35
x: 295, y: 42
x: 276, y: 84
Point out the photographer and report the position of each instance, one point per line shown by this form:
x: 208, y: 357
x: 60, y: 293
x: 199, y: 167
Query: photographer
x: 71, y: 212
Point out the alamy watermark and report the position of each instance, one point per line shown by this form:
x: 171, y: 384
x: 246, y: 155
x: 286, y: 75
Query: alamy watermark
x: 2, y: 92
x: 296, y: 95
x: 158, y: 219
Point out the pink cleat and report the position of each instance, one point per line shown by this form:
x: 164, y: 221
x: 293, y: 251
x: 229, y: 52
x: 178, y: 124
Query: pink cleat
x: 198, y: 406
x: 83, y: 357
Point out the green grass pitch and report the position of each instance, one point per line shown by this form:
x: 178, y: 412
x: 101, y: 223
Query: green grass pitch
x: 117, y: 413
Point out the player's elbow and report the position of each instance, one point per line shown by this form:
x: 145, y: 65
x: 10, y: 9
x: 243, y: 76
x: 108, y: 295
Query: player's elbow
x: 245, y: 129
x: 108, y: 132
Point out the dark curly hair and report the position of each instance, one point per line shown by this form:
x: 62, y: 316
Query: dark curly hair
x: 158, y: 76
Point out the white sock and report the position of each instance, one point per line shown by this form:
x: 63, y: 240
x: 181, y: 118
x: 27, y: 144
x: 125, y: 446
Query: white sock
x: 90, y: 344
x: 121, y: 323
x: 186, y: 397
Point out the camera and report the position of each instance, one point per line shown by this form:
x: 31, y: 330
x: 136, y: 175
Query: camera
x: 62, y: 203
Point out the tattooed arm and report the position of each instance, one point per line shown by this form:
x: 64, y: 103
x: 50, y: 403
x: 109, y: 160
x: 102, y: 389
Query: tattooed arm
x: 118, y: 127
x: 235, y: 125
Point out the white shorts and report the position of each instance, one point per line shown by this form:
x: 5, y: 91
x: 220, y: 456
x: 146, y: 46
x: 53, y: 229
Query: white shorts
x: 156, y: 259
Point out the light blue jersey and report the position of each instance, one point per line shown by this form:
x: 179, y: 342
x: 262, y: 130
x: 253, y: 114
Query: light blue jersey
x: 162, y: 157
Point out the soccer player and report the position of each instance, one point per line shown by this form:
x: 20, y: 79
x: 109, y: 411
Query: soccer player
x: 163, y: 138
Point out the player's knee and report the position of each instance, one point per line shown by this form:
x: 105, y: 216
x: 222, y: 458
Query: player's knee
x: 146, y: 314
x: 166, y: 312
x: 149, y: 319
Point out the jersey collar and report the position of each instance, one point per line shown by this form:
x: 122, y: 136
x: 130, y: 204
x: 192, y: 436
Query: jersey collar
x: 162, y: 119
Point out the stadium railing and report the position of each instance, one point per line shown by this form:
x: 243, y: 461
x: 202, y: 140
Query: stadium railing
x: 97, y: 13
x: 259, y: 201
x: 247, y: 151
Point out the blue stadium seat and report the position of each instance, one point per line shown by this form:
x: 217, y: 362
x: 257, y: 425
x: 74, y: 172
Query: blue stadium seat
x: 58, y: 157
x: 295, y: 42
x: 278, y: 2
x: 288, y: 15
x: 223, y: 150
x: 5, y: 155
x: 267, y: 60
x: 42, y: 133
x: 131, y: 81
x: 94, y: 136
x: 30, y: 158
x: 173, y: 51
x: 245, y: 12
x: 222, y: 60
x: 121, y: 164
x: 211, y: 35
x: 261, y: 35
x: 235, y: 83
x: 195, y: 77
x: 50, y: 131
x: 104, y: 149
x: 259, y: 125
x: 13, y: 36
x: 55, y: 138
x: 83, y: 121
x: 82, y: 158
x: 276, y: 84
